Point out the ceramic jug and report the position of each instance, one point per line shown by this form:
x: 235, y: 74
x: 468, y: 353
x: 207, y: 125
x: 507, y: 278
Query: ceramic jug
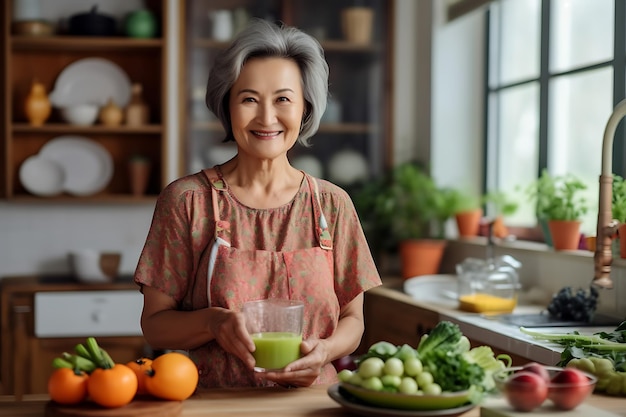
x: 136, y: 113
x: 37, y: 105
x: 221, y: 24
x: 111, y: 114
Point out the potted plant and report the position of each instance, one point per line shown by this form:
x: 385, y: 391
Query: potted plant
x: 467, y: 210
x: 563, y: 208
x: 540, y: 191
x: 405, y: 209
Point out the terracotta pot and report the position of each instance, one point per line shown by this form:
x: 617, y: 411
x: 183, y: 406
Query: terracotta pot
x: 139, y: 171
x: 421, y: 257
x: 565, y: 234
x: 468, y: 222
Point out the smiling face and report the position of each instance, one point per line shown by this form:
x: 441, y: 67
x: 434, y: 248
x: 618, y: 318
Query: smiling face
x: 266, y: 107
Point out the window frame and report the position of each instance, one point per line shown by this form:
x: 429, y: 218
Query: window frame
x: 618, y: 63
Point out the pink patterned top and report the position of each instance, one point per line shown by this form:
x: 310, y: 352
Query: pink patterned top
x: 175, y: 259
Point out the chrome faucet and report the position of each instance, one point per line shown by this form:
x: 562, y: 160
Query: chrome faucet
x: 607, y: 226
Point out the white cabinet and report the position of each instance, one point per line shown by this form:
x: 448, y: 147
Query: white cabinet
x: 88, y: 313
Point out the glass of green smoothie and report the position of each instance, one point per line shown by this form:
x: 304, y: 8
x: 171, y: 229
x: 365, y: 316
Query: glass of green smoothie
x: 275, y: 326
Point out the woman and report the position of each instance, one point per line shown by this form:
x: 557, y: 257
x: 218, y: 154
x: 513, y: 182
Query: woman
x: 255, y: 227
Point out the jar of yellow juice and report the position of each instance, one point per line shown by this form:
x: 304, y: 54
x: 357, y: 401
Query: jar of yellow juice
x: 488, y: 286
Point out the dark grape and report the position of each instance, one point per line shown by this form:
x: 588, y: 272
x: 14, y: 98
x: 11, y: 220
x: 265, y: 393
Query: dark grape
x: 579, y: 306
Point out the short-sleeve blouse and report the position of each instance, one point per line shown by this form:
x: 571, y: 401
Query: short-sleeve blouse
x: 174, y: 259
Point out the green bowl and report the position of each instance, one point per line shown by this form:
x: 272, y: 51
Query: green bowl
x: 408, y: 401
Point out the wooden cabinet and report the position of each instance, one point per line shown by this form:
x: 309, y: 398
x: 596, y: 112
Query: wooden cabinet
x: 28, y: 58
x: 25, y: 358
x: 355, y: 131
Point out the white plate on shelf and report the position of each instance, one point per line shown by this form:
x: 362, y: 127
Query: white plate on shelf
x: 91, y: 81
x: 41, y: 176
x: 88, y: 166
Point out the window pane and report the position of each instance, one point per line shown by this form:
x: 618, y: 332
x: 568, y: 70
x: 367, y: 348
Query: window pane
x: 580, y: 106
x: 515, y: 41
x: 517, y: 146
x: 581, y: 33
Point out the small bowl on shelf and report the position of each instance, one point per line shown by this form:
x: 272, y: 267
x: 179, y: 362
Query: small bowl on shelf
x: 80, y: 114
x: 527, y: 387
x: 94, y: 267
x: 32, y: 28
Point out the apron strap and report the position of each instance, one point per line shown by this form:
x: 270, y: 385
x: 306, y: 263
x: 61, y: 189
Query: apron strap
x: 323, y: 234
x: 222, y: 227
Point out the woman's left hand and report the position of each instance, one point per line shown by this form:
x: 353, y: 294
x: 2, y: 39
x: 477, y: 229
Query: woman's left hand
x: 304, y: 371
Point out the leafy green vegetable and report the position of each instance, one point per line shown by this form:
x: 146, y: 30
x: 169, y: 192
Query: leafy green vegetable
x: 609, y: 345
x: 452, y: 371
x: 445, y: 336
x: 484, y: 357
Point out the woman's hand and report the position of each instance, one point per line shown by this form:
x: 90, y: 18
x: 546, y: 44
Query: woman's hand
x: 229, y: 330
x: 304, y: 371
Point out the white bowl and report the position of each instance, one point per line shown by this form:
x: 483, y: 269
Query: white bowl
x: 92, y: 267
x: 80, y: 114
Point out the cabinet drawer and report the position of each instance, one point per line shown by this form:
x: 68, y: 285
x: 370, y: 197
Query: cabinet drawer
x: 88, y: 313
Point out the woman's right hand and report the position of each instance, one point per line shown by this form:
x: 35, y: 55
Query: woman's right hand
x: 229, y: 330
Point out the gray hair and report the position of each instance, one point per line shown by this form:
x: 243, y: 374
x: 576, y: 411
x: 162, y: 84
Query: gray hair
x: 264, y: 39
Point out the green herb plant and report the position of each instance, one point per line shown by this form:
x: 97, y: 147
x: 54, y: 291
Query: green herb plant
x: 618, y: 207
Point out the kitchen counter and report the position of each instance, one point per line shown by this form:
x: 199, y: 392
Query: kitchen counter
x: 485, y: 330
x: 275, y: 402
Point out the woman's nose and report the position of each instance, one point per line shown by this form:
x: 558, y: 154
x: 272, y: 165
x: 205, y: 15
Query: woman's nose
x: 266, y: 113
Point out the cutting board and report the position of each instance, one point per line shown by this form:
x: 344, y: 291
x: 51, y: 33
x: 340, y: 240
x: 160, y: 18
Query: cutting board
x: 500, y: 408
x: 137, y: 408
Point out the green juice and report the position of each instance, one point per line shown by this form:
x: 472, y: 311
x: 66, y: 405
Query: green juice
x: 275, y: 350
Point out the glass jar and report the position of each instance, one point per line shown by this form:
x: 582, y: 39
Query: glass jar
x: 488, y: 286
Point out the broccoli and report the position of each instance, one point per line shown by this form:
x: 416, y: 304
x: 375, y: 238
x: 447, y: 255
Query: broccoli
x: 445, y: 336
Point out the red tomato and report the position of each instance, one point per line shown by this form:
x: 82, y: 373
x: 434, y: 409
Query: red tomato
x: 112, y: 387
x: 67, y: 387
x: 568, y: 388
x: 525, y: 390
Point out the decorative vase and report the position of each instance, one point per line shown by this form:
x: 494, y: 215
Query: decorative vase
x: 139, y: 172
x: 356, y: 24
x: 136, y: 113
x: 141, y: 24
x: 37, y: 105
x: 565, y: 234
x: 111, y: 114
x: 468, y: 222
x: 421, y: 256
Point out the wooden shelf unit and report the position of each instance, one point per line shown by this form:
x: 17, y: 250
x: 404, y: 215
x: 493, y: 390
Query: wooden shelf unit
x: 28, y: 58
x: 360, y: 79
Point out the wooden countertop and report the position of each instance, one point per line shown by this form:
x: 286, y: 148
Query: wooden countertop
x: 276, y: 402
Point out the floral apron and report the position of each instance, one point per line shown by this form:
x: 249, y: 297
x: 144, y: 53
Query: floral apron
x: 236, y: 276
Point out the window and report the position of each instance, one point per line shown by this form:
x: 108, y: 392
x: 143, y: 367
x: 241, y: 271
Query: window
x: 556, y: 68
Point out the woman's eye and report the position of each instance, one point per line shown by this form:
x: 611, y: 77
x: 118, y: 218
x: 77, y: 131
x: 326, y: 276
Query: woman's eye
x: 249, y: 100
x: 283, y: 99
